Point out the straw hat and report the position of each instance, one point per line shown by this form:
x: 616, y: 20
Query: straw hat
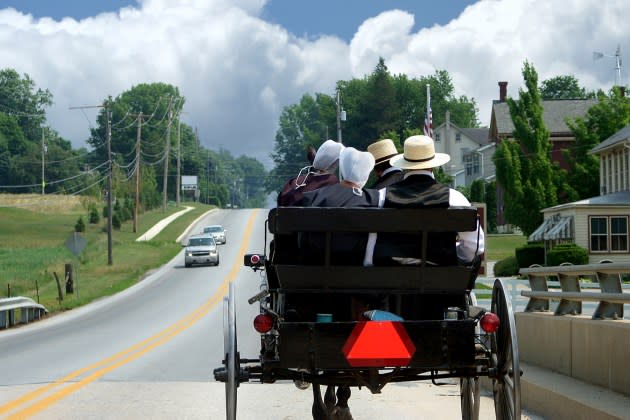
x: 419, y: 153
x: 382, y: 150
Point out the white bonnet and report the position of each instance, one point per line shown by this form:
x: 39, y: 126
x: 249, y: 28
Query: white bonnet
x: 355, y: 166
x: 327, y: 156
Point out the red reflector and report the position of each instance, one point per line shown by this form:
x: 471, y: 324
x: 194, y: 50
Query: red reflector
x: 379, y: 344
x: 490, y: 322
x: 263, y: 323
x: 255, y: 259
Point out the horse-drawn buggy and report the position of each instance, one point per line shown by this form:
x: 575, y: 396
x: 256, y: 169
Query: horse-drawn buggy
x: 327, y: 320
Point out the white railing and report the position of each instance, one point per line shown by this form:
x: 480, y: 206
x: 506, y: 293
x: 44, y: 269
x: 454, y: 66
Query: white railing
x: 29, y: 310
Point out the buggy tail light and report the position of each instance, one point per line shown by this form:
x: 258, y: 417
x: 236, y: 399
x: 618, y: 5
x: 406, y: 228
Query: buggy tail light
x: 263, y: 323
x: 489, y: 322
x: 254, y: 259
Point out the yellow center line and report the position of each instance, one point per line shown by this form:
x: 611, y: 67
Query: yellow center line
x: 133, y: 352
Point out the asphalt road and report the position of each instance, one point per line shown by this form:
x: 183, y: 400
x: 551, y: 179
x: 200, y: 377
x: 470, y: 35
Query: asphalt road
x: 148, y: 352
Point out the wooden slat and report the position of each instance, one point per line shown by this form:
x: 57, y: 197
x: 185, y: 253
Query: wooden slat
x: 287, y: 220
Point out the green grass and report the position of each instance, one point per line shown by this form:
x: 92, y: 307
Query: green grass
x: 32, y: 250
x: 499, y: 247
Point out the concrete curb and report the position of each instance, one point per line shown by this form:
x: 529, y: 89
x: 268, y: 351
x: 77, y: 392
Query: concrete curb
x: 157, y: 228
x: 190, y: 226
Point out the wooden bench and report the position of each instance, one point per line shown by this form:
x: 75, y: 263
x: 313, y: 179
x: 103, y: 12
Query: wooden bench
x: 287, y: 223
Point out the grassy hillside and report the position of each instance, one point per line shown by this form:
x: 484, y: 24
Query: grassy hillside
x: 33, y: 232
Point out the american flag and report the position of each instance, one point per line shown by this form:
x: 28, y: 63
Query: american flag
x: 428, y: 123
x: 428, y: 118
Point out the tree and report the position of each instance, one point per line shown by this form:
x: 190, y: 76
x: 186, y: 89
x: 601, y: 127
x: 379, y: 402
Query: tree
x: 563, y: 87
x: 523, y: 165
x: 601, y: 121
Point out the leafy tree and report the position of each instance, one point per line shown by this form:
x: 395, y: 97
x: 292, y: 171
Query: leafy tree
x: 563, y: 87
x: 602, y: 120
x: 523, y: 165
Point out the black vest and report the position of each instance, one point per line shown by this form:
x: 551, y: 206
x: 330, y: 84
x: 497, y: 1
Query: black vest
x: 413, y: 192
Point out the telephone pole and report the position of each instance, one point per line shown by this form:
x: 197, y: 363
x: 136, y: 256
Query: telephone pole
x: 178, y: 181
x: 43, y: 156
x: 166, y: 154
x: 108, y: 135
x: 137, y: 200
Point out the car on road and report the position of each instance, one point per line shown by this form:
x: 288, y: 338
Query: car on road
x: 201, y: 249
x: 218, y: 232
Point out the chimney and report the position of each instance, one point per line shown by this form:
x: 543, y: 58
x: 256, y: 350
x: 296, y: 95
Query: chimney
x: 502, y: 91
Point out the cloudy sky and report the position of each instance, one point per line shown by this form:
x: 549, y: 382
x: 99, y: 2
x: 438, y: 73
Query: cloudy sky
x: 239, y: 62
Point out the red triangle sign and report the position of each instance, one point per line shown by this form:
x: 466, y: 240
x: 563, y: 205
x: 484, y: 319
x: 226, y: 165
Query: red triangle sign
x: 378, y: 344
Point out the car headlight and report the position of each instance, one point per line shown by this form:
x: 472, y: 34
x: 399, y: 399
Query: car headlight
x: 189, y: 254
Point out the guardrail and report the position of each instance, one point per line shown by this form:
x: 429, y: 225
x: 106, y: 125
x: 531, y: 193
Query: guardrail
x: 605, y: 276
x: 29, y: 310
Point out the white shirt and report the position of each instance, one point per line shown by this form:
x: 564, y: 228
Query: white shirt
x: 468, y: 245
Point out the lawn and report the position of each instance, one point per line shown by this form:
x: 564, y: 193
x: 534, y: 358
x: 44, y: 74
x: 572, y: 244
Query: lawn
x: 502, y: 246
x: 33, y: 252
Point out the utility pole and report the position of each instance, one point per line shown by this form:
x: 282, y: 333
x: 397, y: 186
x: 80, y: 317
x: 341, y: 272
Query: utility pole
x: 108, y: 128
x: 43, y: 155
x: 339, y: 116
x: 167, y: 153
x: 108, y: 135
x: 137, y: 201
x: 178, y: 181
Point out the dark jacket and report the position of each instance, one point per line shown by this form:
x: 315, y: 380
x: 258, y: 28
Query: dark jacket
x: 292, y: 190
x: 346, y: 248
x: 388, y: 179
x: 412, y: 192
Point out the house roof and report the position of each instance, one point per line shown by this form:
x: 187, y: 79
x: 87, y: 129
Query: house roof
x: 478, y: 135
x: 620, y: 136
x: 620, y: 198
x: 554, y: 113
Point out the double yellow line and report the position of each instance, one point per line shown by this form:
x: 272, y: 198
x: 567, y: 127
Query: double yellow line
x: 98, y: 369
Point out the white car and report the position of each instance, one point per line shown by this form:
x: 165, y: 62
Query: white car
x: 218, y: 232
x: 201, y: 249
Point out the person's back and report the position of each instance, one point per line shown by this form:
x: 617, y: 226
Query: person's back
x: 420, y: 189
x: 347, y: 248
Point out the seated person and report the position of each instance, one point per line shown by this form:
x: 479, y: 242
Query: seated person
x: 418, y: 188
x: 347, y: 248
x: 320, y: 173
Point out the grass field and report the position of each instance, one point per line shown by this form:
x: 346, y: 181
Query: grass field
x: 32, y: 249
x: 499, y: 247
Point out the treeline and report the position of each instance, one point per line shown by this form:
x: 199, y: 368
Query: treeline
x: 147, y: 136
x: 380, y: 105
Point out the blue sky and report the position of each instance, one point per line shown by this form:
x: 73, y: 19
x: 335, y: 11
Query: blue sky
x: 301, y: 17
x: 239, y: 63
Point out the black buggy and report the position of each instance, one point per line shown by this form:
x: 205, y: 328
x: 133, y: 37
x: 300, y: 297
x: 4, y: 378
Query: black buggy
x: 310, y: 332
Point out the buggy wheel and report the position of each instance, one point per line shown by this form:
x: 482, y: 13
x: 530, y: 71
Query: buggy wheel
x: 469, y: 392
x: 469, y: 387
x: 231, y: 354
x: 506, y: 385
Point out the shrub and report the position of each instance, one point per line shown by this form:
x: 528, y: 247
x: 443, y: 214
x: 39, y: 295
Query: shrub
x: 530, y: 254
x: 506, y: 267
x: 94, y: 217
x: 116, y: 223
x: 567, y: 253
x: 80, y: 225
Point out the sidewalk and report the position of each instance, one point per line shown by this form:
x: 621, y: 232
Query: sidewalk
x: 157, y: 228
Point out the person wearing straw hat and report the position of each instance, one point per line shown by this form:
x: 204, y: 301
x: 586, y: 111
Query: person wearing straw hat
x: 383, y: 151
x: 418, y: 188
x: 319, y: 173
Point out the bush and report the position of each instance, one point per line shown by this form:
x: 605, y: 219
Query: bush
x: 116, y: 223
x: 94, y: 217
x: 530, y: 254
x: 507, y: 267
x: 80, y: 225
x: 567, y: 253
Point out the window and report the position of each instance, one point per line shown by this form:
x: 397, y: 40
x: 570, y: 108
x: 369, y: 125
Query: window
x: 458, y: 137
x: 609, y: 234
x: 437, y: 137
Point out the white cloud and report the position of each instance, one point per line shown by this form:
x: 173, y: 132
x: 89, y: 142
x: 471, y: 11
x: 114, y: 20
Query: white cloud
x: 238, y: 71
